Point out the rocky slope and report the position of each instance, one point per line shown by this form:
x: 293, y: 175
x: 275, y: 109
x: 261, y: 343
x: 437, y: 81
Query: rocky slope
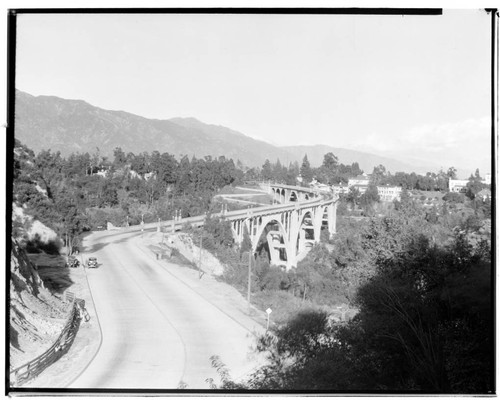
x: 36, y: 316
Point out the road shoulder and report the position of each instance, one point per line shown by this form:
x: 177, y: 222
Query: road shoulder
x: 85, y: 346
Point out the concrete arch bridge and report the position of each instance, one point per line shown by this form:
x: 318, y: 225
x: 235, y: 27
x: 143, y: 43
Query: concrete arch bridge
x: 290, y: 228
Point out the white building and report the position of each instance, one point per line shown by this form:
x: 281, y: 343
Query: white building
x: 487, y: 179
x: 340, y: 189
x: 389, y: 193
x: 458, y: 185
x: 360, y: 180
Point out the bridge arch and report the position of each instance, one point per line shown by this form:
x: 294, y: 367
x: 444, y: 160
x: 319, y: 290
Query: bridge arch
x: 306, y: 234
x: 277, y: 242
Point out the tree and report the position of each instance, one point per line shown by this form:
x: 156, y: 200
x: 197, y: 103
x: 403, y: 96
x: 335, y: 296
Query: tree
x: 330, y: 168
x: 353, y: 196
x: 452, y: 173
x: 369, y: 198
x: 246, y: 244
x: 183, y: 176
x: 219, y: 230
x: 120, y: 157
x: 292, y: 173
x: 108, y: 193
x: 306, y: 171
x: 454, y: 197
x: 165, y: 166
x: 378, y: 175
x: 474, y: 186
x: 279, y: 172
x: 355, y: 170
x: 267, y: 173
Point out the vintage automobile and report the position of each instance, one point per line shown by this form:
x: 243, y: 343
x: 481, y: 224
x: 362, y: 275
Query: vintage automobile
x: 92, y: 262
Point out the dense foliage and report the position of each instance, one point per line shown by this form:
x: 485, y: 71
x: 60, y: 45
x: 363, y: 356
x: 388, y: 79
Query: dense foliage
x: 82, y: 192
x: 423, y: 291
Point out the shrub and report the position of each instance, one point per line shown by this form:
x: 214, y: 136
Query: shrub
x: 36, y: 245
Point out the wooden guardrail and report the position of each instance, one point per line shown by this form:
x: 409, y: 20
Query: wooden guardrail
x: 31, y: 369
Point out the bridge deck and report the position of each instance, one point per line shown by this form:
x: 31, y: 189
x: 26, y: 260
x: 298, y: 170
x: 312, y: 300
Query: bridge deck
x: 197, y: 221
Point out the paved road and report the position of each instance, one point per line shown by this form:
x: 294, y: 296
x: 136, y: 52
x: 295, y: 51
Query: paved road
x: 157, y: 332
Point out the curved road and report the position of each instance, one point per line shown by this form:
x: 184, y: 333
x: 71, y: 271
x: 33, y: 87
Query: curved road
x: 157, y: 332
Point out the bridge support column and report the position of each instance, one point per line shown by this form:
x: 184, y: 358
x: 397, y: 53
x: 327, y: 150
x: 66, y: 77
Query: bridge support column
x: 274, y: 244
x: 302, y: 241
x: 291, y: 256
x: 317, y: 222
x: 332, y: 219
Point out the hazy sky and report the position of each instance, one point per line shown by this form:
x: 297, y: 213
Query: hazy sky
x: 412, y: 86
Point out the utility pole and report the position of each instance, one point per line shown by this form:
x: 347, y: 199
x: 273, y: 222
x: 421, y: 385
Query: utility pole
x: 200, y: 271
x: 249, y: 276
x: 142, y: 225
x: 250, y: 251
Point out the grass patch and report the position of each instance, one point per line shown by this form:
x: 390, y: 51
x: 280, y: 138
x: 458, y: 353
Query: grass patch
x: 284, y: 304
x: 178, y: 258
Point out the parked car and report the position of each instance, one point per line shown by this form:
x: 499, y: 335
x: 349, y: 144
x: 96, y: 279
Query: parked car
x: 92, y: 262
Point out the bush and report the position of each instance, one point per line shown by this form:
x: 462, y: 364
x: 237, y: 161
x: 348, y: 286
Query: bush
x: 284, y: 304
x: 453, y: 197
x: 36, y: 245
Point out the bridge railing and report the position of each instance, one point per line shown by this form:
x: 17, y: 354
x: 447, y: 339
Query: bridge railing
x: 31, y: 369
x: 236, y: 214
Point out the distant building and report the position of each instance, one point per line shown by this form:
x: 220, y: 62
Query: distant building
x: 340, y: 189
x: 103, y: 171
x: 484, y: 194
x: 487, y: 179
x: 321, y: 187
x: 389, y: 193
x: 458, y: 185
x: 359, y: 182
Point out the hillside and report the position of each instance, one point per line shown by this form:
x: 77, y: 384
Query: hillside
x: 70, y: 126
x: 36, y: 316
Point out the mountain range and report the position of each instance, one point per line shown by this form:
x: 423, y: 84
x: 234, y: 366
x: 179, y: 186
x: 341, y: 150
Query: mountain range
x: 71, y: 126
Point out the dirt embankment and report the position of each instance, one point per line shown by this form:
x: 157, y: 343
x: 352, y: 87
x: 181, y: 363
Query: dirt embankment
x: 36, y: 316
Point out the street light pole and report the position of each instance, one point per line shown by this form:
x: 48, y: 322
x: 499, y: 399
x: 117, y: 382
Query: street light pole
x: 249, y: 276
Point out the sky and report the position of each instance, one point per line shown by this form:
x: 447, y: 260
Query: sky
x: 416, y: 88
